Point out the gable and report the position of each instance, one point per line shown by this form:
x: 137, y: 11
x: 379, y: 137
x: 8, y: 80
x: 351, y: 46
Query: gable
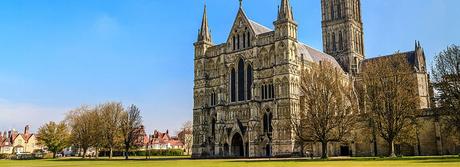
x: 243, y: 24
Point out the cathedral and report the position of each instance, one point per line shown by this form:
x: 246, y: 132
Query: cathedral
x: 246, y: 87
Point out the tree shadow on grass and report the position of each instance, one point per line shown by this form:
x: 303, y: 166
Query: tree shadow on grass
x: 114, y: 160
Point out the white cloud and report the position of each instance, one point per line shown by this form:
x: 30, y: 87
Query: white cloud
x: 106, y: 25
x: 17, y: 115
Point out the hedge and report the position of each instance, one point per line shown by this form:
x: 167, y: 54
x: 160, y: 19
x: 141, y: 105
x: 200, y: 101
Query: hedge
x: 169, y: 152
x: 5, y: 156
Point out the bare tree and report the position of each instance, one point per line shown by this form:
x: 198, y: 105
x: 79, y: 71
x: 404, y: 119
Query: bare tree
x: 54, y: 136
x: 390, y: 89
x: 79, y: 121
x: 327, y: 106
x: 131, y: 128
x: 111, y: 114
x: 186, y: 136
x: 446, y: 75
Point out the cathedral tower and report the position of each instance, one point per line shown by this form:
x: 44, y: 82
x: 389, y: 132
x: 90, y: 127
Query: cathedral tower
x: 343, y: 32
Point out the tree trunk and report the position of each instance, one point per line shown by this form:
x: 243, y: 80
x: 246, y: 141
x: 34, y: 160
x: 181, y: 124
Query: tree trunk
x: 391, y: 147
x: 126, y: 152
x: 111, y: 153
x: 374, y: 137
x: 302, y: 151
x: 54, y: 155
x: 97, y: 153
x: 325, y: 154
x: 84, y: 152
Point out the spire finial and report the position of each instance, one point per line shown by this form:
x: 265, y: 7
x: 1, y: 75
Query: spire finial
x: 241, y: 3
x: 285, y: 10
x: 204, y: 33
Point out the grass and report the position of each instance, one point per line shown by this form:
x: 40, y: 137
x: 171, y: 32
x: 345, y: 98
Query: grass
x: 185, y: 162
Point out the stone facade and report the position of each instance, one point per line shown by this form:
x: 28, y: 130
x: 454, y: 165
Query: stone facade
x: 343, y: 35
x: 246, y: 88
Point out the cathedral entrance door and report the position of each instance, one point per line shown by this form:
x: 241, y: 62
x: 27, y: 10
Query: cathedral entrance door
x: 237, y: 145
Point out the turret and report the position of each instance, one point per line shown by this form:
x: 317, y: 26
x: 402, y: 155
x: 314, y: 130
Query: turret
x: 285, y: 25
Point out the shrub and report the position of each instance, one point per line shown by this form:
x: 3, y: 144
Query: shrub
x: 5, y: 156
x: 169, y: 152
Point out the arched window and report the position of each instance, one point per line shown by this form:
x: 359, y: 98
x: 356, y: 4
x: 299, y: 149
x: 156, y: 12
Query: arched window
x: 233, y: 85
x: 267, y: 122
x: 340, y: 41
x: 238, y: 41
x: 241, y: 80
x: 249, y: 39
x: 339, y: 9
x: 244, y: 40
x: 334, y: 46
x: 234, y: 42
x: 332, y: 10
x: 213, y: 128
x: 249, y: 80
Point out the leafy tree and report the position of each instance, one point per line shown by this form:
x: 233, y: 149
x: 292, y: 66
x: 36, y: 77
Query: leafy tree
x: 79, y: 121
x: 446, y: 76
x: 131, y: 128
x: 327, y: 105
x: 390, y: 92
x: 111, y: 114
x: 54, y: 136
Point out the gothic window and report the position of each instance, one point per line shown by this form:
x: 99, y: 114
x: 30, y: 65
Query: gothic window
x: 238, y: 42
x: 332, y: 10
x: 339, y: 9
x: 241, y: 80
x: 213, y: 128
x: 340, y: 41
x: 262, y: 91
x: 234, y: 42
x: 334, y: 46
x: 233, y: 85
x: 268, y: 91
x: 213, y: 99
x: 267, y: 122
x: 249, y: 80
x: 249, y: 39
x: 244, y: 40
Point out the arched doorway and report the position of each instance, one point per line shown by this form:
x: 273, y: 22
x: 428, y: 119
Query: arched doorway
x: 237, y: 145
x: 268, y: 150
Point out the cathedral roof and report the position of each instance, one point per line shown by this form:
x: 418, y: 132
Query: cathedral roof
x: 312, y: 55
x: 258, y: 28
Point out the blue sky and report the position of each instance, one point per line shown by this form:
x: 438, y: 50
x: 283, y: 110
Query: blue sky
x: 56, y: 55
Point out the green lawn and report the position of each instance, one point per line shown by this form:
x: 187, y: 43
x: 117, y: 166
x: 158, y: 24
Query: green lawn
x: 183, y: 162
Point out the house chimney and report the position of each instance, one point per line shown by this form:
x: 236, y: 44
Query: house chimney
x: 26, y: 129
x: 9, y: 134
x: 4, y: 134
x: 167, y: 132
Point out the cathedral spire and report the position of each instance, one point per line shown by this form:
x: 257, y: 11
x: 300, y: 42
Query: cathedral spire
x: 204, y: 33
x: 285, y: 11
